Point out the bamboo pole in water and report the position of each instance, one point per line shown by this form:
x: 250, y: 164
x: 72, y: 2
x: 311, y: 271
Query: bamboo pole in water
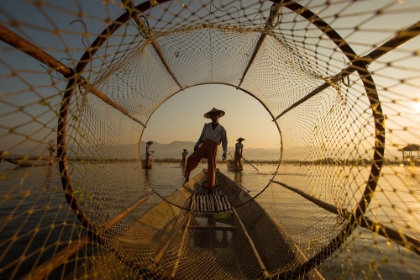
x: 400, y: 238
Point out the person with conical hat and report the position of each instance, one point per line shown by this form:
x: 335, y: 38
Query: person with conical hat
x: 184, y: 157
x: 238, y: 153
x: 212, y: 135
x: 149, y: 153
x: 51, y: 150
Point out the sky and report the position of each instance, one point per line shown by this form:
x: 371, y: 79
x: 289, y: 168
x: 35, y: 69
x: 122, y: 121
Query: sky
x: 181, y: 117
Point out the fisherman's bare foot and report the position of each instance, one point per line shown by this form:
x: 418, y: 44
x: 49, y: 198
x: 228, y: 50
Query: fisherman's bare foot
x: 187, y: 179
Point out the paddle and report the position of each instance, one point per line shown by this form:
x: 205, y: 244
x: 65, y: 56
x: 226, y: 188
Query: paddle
x: 250, y: 163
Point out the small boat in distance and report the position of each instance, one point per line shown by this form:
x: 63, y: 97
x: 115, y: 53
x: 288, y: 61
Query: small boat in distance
x: 231, y: 166
x: 24, y: 163
x: 33, y: 161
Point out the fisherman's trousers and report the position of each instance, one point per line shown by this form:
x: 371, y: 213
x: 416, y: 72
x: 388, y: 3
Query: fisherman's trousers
x: 207, y: 150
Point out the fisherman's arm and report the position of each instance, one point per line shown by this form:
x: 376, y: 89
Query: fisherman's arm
x: 199, y: 139
x: 224, y: 145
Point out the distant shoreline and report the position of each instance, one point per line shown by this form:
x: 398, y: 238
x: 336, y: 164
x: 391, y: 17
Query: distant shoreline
x: 325, y: 161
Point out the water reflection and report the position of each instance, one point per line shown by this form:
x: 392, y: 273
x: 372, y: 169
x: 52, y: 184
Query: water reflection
x: 182, y: 170
x: 147, y: 175
x: 395, y: 204
x: 238, y: 177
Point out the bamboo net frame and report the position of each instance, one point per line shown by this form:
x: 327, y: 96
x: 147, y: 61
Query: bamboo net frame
x: 364, y: 99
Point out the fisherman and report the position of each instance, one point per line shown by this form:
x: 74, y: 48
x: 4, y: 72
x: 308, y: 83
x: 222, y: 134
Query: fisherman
x: 206, y: 147
x: 51, y: 150
x: 238, y: 153
x: 149, y: 153
x: 184, y: 157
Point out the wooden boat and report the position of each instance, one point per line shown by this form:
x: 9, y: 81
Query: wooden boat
x: 231, y: 166
x: 198, y: 234
x: 22, y: 163
x: 143, y: 164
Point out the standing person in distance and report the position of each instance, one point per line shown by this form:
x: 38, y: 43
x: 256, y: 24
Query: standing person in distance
x: 184, y: 157
x: 238, y: 153
x: 149, y: 153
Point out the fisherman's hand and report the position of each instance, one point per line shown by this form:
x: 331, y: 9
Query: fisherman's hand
x: 224, y: 157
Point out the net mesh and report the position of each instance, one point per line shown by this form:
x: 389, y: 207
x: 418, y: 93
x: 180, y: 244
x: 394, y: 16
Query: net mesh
x: 81, y: 79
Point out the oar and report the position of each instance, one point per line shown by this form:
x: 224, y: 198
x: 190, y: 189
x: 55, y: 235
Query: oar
x: 250, y: 163
x: 231, y: 155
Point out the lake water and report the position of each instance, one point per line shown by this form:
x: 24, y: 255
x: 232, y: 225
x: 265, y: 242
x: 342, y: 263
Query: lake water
x: 36, y: 222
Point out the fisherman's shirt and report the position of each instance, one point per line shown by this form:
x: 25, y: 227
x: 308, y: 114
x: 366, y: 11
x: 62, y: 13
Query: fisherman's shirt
x: 217, y: 135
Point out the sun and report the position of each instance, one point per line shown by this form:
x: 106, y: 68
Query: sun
x: 416, y: 106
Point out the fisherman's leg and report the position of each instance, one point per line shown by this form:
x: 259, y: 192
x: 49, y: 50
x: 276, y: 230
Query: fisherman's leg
x: 193, y: 161
x: 236, y: 161
x: 211, y: 168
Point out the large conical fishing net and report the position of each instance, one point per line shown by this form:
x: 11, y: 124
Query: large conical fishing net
x: 80, y: 80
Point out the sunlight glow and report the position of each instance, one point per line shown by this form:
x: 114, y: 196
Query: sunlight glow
x: 416, y: 106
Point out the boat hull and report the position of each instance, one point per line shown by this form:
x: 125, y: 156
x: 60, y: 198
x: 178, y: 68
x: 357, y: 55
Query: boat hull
x: 231, y: 167
x: 202, y: 234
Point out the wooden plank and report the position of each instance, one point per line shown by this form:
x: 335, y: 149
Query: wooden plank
x: 210, y: 203
x: 225, y: 204
x: 222, y: 205
x: 221, y: 192
x: 228, y: 228
x: 217, y: 202
x: 211, y: 208
x: 196, y: 203
x: 202, y: 203
x: 207, y: 203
